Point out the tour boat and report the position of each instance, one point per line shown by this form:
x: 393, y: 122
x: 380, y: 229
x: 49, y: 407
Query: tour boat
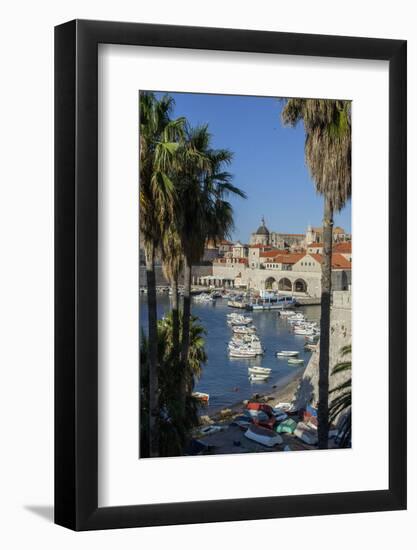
x: 264, y: 436
x: 259, y: 370
x: 293, y: 361
x: 287, y: 353
x: 204, y: 397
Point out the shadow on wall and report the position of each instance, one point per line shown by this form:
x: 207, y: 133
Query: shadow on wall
x: 304, y: 393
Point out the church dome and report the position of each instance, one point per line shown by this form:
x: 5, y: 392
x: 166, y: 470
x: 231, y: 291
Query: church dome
x: 262, y: 229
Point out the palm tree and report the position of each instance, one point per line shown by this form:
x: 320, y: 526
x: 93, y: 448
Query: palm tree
x: 327, y: 125
x: 341, y: 404
x: 174, y: 427
x: 206, y: 213
x: 173, y: 265
x: 159, y: 136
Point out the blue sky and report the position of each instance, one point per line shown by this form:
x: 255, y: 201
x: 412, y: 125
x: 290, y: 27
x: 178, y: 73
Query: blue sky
x: 268, y: 161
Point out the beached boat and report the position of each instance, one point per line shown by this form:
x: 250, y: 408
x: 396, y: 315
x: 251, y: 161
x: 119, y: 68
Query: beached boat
x: 243, y: 421
x: 310, y: 347
x: 284, y: 406
x: 204, y: 397
x: 259, y: 370
x: 306, y: 434
x: 294, y: 361
x: 208, y: 430
x: 288, y: 426
x: 264, y: 436
x: 287, y: 353
x: 313, y: 337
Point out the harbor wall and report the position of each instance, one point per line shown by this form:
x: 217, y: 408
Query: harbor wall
x: 197, y: 271
x: 340, y: 336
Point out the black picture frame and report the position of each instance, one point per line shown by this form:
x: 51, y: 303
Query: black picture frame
x: 76, y: 271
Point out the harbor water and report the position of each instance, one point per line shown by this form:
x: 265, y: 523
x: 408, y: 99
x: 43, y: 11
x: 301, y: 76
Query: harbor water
x: 225, y: 378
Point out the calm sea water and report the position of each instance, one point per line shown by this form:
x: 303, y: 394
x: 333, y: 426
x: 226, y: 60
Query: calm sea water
x: 226, y: 378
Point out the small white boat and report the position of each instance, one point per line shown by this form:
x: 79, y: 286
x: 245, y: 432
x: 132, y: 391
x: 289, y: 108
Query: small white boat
x: 263, y: 436
x: 283, y: 406
x: 203, y: 298
x: 258, y: 377
x: 287, y: 353
x: 243, y: 330
x: 204, y: 397
x: 293, y: 361
x: 286, y: 313
x: 243, y: 353
x: 259, y: 370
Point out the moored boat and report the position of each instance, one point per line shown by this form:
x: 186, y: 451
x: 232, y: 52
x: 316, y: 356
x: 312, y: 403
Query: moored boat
x: 287, y: 353
x: 201, y: 396
x: 259, y: 370
x: 258, y: 377
x: 294, y: 361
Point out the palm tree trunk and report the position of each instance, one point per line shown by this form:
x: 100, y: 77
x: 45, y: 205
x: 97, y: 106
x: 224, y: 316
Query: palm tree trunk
x: 175, y: 321
x: 153, y: 352
x: 326, y: 288
x: 185, y: 337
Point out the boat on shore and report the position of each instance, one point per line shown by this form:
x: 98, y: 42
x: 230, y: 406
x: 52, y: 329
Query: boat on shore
x: 263, y: 436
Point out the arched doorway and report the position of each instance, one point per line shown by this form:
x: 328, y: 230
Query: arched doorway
x: 300, y: 285
x: 285, y: 284
x: 270, y: 284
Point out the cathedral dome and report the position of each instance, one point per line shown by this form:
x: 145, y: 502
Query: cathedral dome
x: 262, y: 229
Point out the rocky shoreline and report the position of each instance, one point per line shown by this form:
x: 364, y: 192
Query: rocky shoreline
x: 230, y: 438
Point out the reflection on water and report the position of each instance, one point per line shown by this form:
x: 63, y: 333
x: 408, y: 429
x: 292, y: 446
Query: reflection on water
x: 226, y: 378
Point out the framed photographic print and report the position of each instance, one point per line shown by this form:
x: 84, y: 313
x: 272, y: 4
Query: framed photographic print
x: 230, y: 275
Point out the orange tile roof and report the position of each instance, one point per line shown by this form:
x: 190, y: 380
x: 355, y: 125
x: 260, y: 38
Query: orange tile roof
x: 338, y: 261
x: 343, y: 248
x: 315, y: 245
x: 270, y: 253
x: 287, y: 258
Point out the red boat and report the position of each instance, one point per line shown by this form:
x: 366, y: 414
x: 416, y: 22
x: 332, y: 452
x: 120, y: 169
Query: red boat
x: 262, y: 415
x: 254, y: 406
